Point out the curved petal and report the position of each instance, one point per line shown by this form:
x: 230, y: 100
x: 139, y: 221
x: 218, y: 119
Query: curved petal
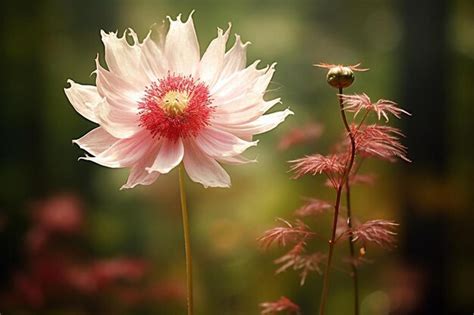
x: 170, y: 155
x: 248, y: 80
x: 212, y: 61
x: 139, y: 175
x: 218, y: 144
x: 118, y: 122
x: 238, y: 83
x: 235, y: 59
x: 203, y: 169
x: 84, y: 99
x: 96, y: 141
x: 242, y: 110
x: 127, y: 60
x: 116, y: 89
x: 125, y: 152
x: 181, y: 46
x: 260, y: 125
x: 155, y: 56
x: 237, y: 160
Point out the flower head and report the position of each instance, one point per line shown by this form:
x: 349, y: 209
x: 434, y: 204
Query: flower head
x: 160, y: 103
x: 340, y: 76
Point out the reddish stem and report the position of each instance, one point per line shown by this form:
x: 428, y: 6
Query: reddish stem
x: 344, y: 179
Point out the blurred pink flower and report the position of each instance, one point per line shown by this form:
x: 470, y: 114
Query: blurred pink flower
x: 299, y: 135
x: 283, y: 304
x: 160, y: 103
x: 60, y: 213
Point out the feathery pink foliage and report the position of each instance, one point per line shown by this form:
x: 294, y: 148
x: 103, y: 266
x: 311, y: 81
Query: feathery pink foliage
x: 296, y: 136
x: 299, y: 261
x: 333, y: 166
x: 283, y: 235
x: 379, y: 141
x: 313, y: 207
x: 380, y: 232
x: 357, y: 102
x: 281, y: 305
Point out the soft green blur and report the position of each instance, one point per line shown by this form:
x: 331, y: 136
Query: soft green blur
x: 232, y: 275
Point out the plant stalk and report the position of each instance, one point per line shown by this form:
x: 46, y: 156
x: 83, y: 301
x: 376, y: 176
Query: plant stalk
x: 187, y: 241
x: 345, y: 178
x: 354, y: 274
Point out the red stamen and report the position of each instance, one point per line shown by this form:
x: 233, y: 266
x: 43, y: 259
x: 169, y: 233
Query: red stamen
x: 174, y: 125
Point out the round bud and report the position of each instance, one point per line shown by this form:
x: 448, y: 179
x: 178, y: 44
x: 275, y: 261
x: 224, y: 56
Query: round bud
x: 340, y: 77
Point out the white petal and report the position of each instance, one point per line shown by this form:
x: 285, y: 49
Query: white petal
x: 139, y: 175
x: 127, y: 60
x: 155, y: 56
x: 96, y: 141
x: 119, y: 122
x: 261, y: 125
x: 239, y: 83
x: 235, y: 59
x: 242, y: 110
x: 237, y: 160
x: 182, y: 47
x: 84, y: 99
x: 202, y: 168
x: 170, y: 155
x: 118, y: 89
x: 125, y: 152
x: 212, y: 61
x: 219, y: 144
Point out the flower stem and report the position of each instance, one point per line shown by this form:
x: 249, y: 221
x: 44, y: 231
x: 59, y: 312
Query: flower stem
x: 324, y: 294
x: 354, y: 274
x: 345, y: 178
x: 187, y: 240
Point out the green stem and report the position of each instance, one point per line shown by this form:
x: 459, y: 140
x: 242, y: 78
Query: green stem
x: 187, y: 240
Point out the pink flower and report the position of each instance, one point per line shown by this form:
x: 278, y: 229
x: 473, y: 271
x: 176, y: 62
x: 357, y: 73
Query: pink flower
x: 161, y: 103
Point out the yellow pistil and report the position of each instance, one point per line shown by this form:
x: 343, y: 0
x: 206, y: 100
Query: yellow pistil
x: 174, y: 102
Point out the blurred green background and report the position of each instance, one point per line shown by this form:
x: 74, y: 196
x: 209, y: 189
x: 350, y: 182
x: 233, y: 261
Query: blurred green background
x: 421, y: 54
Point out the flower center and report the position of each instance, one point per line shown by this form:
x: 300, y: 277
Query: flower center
x: 174, y: 102
x: 175, y: 107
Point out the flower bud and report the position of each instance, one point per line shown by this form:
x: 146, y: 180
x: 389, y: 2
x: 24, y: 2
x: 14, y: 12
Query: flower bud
x: 340, y: 77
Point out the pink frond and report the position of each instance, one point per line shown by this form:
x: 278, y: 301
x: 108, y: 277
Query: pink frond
x: 283, y: 235
x: 379, y: 141
x: 313, y: 207
x: 357, y: 102
x: 319, y: 164
x: 380, y: 232
x: 296, y: 136
x: 281, y: 305
x: 298, y: 261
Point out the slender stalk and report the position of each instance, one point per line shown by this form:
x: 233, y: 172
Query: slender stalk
x: 187, y: 241
x: 354, y: 274
x: 345, y: 178
x: 324, y: 293
x: 348, y: 204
